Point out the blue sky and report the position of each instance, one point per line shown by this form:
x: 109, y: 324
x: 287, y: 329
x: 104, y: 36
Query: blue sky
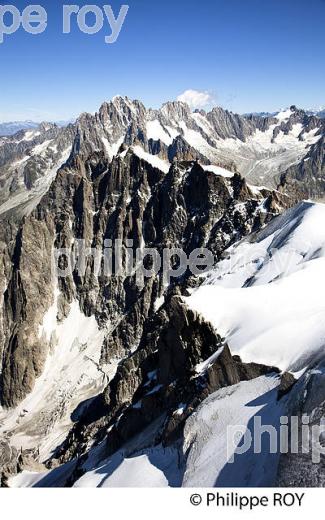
x: 248, y: 55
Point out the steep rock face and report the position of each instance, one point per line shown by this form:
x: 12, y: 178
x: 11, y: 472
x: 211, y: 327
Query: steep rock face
x: 307, y: 179
x: 180, y: 150
x: 118, y: 121
x: 25, y: 302
x: 29, y: 161
x: 180, y: 361
x: 95, y: 201
x: 231, y: 126
x: 136, y: 176
x: 8, y: 462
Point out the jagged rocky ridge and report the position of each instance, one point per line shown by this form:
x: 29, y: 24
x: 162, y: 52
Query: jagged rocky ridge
x: 126, y: 199
x: 259, y: 148
x: 110, y: 188
x: 95, y: 200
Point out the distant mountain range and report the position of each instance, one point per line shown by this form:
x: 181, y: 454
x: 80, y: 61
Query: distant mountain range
x: 321, y: 113
x: 261, y: 149
x: 12, y: 127
x: 310, y: 112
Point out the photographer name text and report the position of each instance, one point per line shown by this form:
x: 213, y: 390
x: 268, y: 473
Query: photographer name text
x: 89, y: 19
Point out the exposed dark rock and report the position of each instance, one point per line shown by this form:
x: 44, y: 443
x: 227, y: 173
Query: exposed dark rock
x: 168, y: 361
x: 175, y: 365
x: 287, y: 383
x: 8, y: 462
x: 306, y: 180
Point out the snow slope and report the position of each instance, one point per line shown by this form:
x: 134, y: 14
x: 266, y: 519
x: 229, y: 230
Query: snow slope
x: 210, y: 437
x: 217, y: 170
x: 261, y: 158
x: 209, y: 456
x: 71, y: 375
x: 267, y: 297
x: 156, y: 132
x: 28, y: 199
x: 154, y: 160
x: 152, y: 467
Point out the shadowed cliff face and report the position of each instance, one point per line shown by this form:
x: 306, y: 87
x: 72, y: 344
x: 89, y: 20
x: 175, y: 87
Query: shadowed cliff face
x: 180, y: 361
x: 95, y: 200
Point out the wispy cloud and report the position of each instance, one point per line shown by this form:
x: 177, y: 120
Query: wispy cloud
x: 197, y: 98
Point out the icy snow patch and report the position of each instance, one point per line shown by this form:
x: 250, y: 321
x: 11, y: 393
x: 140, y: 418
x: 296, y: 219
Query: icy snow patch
x: 26, y: 479
x: 156, y: 132
x: 210, y: 443
x: 71, y: 375
x: 154, y: 160
x: 30, y: 198
x: 197, y: 141
x: 284, y: 115
x: 39, y: 149
x: 203, y: 123
x: 202, y: 367
x: 112, y: 149
x: 217, y: 170
x: 173, y: 132
x: 134, y: 472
